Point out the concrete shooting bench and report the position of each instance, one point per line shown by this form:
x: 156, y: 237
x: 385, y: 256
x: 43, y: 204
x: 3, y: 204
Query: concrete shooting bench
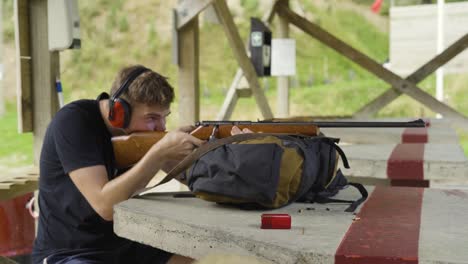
x: 417, y: 157
x: 437, y: 131
x: 394, y: 225
x: 412, y: 164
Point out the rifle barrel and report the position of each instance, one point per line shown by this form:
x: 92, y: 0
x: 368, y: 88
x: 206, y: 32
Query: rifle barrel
x: 343, y: 124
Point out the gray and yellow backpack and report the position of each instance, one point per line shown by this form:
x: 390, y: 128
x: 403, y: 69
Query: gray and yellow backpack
x: 267, y: 171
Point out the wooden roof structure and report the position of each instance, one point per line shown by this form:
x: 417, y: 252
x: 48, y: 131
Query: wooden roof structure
x: 187, y: 32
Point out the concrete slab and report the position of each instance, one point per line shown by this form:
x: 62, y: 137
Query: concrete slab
x: 440, y: 164
x: 395, y: 225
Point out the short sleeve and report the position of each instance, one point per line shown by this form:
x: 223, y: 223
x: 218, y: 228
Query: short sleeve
x: 76, y: 141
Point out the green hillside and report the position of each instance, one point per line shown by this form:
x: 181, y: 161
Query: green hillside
x: 117, y: 33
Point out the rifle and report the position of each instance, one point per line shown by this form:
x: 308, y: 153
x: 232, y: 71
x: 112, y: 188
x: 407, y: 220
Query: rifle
x: 129, y: 149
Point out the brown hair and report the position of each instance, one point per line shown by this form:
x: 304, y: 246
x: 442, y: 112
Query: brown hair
x: 148, y: 88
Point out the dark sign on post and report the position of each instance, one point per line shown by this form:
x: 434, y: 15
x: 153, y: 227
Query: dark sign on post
x: 260, y: 47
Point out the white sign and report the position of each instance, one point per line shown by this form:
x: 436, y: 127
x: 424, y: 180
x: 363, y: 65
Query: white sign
x: 283, y: 57
x: 63, y: 24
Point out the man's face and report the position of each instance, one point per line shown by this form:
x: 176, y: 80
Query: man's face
x: 148, y: 118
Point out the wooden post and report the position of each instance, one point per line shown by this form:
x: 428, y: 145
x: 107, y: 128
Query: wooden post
x: 234, y: 92
x: 190, y: 9
x: 283, y: 81
x: 45, y: 66
x: 189, y: 87
x: 231, y: 98
x: 2, y: 97
x: 23, y: 67
x: 245, y: 64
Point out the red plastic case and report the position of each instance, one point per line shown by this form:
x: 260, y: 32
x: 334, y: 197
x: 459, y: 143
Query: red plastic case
x: 276, y: 221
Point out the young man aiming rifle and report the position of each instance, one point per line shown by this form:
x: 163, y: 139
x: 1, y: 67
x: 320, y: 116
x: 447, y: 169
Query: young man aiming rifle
x: 79, y: 183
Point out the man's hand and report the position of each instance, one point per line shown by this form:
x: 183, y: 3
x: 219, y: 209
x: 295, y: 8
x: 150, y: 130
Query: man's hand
x: 235, y: 131
x: 176, y: 145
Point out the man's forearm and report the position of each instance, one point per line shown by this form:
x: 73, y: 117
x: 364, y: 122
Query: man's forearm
x: 124, y: 186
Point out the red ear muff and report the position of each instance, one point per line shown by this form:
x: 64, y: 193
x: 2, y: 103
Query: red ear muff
x: 119, y: 109
x: 119, y: 113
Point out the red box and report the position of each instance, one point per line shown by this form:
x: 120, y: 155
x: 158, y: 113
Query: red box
x: 276, y: 221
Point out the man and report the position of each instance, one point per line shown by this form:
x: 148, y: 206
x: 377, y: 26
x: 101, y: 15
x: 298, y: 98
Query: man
x: 79, y: 185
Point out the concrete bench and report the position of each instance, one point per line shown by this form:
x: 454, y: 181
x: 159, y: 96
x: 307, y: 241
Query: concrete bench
x: 437, y: 131
x: 407, y: 164
x: 395, y: 225
x: 430, y: 122
x: 393, y: 135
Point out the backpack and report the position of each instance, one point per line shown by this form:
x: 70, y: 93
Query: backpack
x: 267, y: 171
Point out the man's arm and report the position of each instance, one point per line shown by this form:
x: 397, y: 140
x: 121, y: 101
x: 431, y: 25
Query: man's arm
x: 169, y: 165
x: 103, y: 194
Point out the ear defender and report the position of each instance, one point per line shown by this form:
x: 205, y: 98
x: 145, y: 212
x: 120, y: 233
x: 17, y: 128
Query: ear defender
x: 120, y: 110
x: 120, y: 113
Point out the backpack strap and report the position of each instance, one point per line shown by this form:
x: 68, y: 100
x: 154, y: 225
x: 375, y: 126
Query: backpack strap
x: 353, y: 204
x: 364, y: 196
x: 344, y: 159
x: 199, y: 152
x: 334, y: 142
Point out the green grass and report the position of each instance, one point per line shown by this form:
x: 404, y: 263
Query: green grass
x: 15, y: 149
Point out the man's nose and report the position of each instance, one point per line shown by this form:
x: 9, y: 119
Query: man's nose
x: 162, y: 124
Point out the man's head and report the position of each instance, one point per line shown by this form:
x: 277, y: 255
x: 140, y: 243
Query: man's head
x: 146, y: 94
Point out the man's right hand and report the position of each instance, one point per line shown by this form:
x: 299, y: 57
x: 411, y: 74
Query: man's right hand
x: 176, y: 145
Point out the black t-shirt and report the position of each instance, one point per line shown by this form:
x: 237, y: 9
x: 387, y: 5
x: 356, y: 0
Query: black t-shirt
x: 76, y: 138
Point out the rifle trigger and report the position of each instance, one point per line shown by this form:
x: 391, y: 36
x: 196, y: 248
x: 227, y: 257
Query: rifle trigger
x: 214, y: 133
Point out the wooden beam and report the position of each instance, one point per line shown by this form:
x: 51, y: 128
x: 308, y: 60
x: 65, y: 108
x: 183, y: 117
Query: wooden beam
x: 270, y: 15
x: 231, y: 98
x: 23, y: 67
x: 245, y: 64
x: 377, y: 104
x: 244, y: 92
x: 2, y: 86
x: 232, y: 95
x: 427, y: 69
x: 431, y: 66
x: 175, y: 38
x: 283, y: 81
x: 189, y: 9
x: 189, y: 87
x: 403, y: 86
x: 45, y: 68
x: 17, y: 183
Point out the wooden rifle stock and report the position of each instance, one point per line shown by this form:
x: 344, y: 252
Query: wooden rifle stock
x: 128, y: 150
